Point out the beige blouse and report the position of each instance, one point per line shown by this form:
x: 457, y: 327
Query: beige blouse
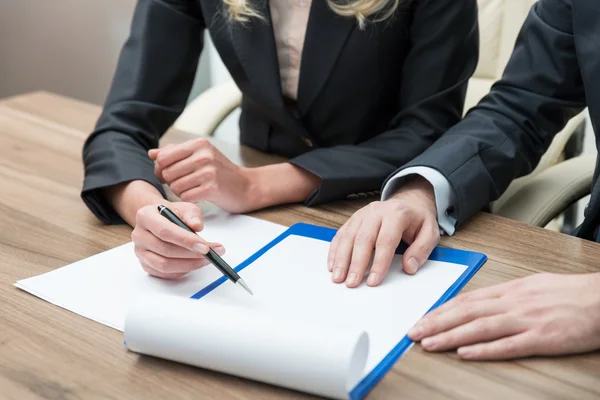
x: 290, y: 18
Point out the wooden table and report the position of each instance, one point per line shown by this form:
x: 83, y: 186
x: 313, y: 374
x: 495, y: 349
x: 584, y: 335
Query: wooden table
x: 47, y: 352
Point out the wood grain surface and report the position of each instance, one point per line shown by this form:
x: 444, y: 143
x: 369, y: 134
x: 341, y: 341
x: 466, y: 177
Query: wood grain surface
x: 49, y: 353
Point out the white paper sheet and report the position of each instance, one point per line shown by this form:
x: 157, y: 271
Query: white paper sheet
x: 299, y: 330
x: 293, y: 288
x: 101, y: 287
x: 321, y: 359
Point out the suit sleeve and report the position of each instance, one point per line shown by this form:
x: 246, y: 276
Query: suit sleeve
x: 505, y: 136
x: 154, y: 76
x: 435, y: 74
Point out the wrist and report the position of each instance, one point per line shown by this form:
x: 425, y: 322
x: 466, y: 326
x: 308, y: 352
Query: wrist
x: 255, y: 191
x: 279, y: 184
x: 128, y: 197
x: 419, y: 189
x: 418, y: 185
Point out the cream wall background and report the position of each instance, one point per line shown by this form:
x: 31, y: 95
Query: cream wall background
x: 66, y: 46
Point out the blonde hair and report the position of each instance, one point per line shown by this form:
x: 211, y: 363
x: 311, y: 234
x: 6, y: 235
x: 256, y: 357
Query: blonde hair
x: 362, y: 10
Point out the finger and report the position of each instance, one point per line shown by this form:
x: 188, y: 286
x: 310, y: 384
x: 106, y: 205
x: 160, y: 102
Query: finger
x: 331, y: 253
x: 343, y: 254
x: 170, y: 156
x: 364, y: 244
x: 488, y: 293
x: 192, y: 216
x: 158, y: 274
x: 172, y: 265
x: 218, y: 248
x: 335, y: 242
x: 199, y: 193
x: 158, y: 173
x: 462, y: 313
x: 178, y: 170
x: 169, y: 232
x: 195, y: 179
x: 479, y: 330
x: 387, y: 242
x: 495, y: 291
x: 152, y: 153
x: 522, y: 345
x: 149, y: 242
x: 189, y: 165
x: 418, y: 252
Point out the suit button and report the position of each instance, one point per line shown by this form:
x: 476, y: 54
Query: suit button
x: 449, y: 211
x: 352, y: 196
x: 586, y: 209
x: 308, y: 142
x: 370, y: 194
x: 362, y: 195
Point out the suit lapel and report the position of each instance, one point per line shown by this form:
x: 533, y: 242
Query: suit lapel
x: 254, y: 44
x: 326, y: 35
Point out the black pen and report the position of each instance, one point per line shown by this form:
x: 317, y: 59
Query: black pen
x: 211, y: 256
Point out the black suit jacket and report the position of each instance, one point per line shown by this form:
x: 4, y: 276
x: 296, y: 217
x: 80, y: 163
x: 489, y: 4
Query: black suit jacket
x: 368, y: 100
x: 553, y: 74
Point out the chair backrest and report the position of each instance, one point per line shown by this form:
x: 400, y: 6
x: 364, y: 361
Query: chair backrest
x: 499, y: 25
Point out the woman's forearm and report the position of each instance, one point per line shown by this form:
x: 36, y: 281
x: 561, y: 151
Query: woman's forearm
x: 128, y: 197
x: 280, y: 184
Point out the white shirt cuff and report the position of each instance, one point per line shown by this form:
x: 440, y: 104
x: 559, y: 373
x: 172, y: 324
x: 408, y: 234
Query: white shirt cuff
x: 445, y: 198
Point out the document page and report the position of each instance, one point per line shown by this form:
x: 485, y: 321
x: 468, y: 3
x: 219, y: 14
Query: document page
x: 297, y: 323
x: 103, y: 286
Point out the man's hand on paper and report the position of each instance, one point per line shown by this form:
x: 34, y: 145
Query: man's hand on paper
x: 543, y: 314
x: 166, y: 250
x: 196, y: 171
x: 409, y: 215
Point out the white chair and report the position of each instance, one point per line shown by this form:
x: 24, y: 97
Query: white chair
x: 500, y: 22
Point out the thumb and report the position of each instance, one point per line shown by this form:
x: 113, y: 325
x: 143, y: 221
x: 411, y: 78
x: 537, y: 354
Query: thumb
x: 191, y: 215
x: 418, y: 252
x: 153, y: 153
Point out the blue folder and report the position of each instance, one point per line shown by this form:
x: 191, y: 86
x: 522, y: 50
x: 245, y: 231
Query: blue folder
x: 472, y: 260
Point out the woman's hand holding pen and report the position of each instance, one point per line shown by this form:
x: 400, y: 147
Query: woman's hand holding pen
x: 197, y: 171
x: 164, y: 249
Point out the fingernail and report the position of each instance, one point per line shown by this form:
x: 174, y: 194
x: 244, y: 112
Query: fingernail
x: 201, y: 248
x: 372, y: 278
x: 337, y: 274
x: 330, y: 265
x: 196, y: 221
x: 351, y: 279
x: 220, y: 250
x: 416, y: 332
x: 465, y: 352
x: 430, y: 344
x: 413, y: 265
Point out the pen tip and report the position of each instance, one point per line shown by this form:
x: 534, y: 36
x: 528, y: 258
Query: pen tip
x: 243, y: 284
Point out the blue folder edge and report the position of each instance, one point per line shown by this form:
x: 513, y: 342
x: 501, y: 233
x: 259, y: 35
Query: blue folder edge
x: 472, y: 260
